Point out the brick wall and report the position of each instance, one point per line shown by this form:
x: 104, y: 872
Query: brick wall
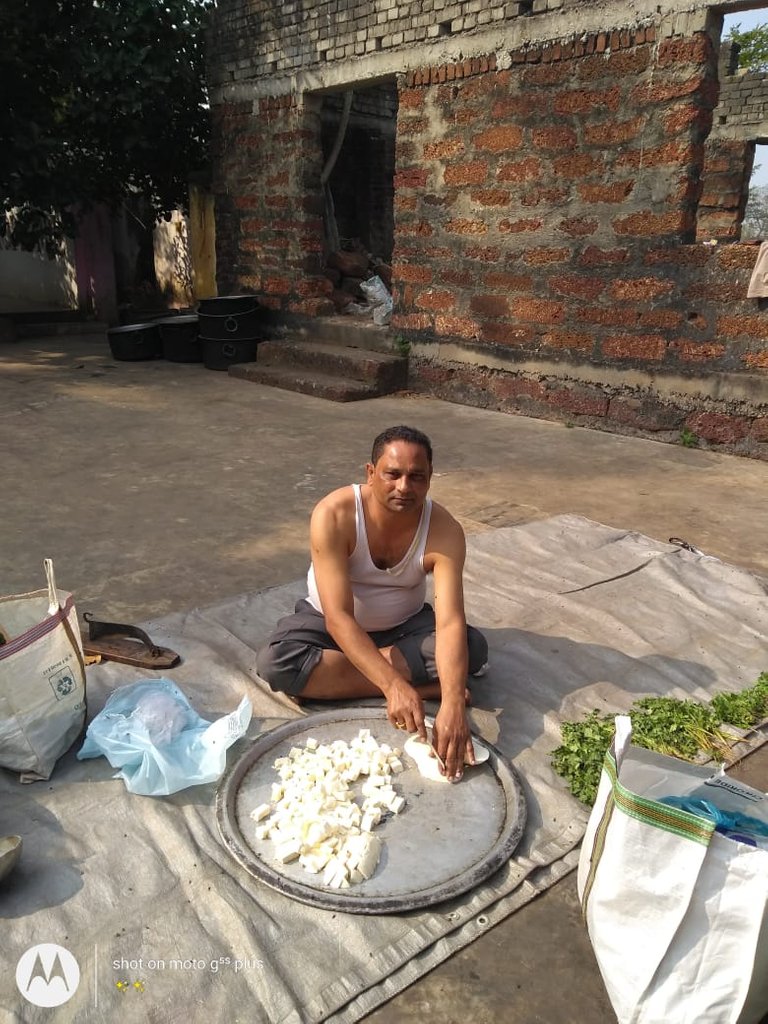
x: 547, y: 199
x: 263, y: 38
x: 269, y: 233
x: 740, y: 118
x: 555, y: 201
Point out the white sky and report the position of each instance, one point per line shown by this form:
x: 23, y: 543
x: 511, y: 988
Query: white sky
x: 747, y: 20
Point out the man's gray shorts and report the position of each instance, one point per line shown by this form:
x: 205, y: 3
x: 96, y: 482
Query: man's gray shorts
x: 297, y: 645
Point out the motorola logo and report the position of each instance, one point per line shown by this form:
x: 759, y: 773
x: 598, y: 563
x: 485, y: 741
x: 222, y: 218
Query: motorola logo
x: 47, y: 975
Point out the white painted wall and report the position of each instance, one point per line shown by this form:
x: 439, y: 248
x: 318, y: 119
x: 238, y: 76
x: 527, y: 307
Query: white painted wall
x: 30, y: 281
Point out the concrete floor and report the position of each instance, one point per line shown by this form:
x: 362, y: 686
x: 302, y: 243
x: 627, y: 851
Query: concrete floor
x: 159, y: 486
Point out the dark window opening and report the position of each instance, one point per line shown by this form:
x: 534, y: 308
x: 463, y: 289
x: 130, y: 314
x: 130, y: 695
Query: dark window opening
x: 361, y: 182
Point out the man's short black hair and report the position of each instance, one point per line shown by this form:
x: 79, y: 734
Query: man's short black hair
x: 409, y: 434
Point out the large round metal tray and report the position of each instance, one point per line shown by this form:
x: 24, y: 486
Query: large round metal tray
x: 447, y: 839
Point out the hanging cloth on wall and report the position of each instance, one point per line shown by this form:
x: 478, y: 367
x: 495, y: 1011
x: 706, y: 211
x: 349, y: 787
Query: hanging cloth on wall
x: 758, y: 283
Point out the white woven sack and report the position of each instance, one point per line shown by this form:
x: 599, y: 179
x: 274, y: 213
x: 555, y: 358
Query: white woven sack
x: 42, y: 679
x: 676, y: 912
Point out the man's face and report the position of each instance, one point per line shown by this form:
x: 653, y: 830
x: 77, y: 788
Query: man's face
x: 400, y: 478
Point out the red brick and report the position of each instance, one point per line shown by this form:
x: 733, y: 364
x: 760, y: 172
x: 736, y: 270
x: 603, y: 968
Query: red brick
x: 661, y: 319
x: 500, y: 332
x: 544, y: 256
x: 757, y: 360
x: 552, y: 74
x: 615, y: 65
x: 616, y: 192
x: 585, y: 101
x: 507, y: 385
x: 315, y: 286
x: 577, y: 165
x: 676, y: 154
x: 688, y: 255
x: 676, y: 51
x: 540, y: 311
x: 269, y: 301
x: 732, y: 256
x: 415, y: 273
x: 490, y: 196
x: 581, y: 401
x: 252, y: 225
x: 472, y: 173
x: 413, y: 177
x: 411, y: 322
x: 420, y: 227
x: 646, y: 223
x: 719, y: 428
x: 512, y: 227
x: 404, y: 202
x: 464, y: 226
x: 461, y: 278
x: 572, y: 340
x: 500, y: 138
x: 578, y: 227
x: 716, y: 292
x: 456, y: 326
x: 537, y: 196
x: 277, y: 285
x: 614, y: 132
x: 759, y: 429
x: 654, y: 93
x: 521, y: 170
x: 509, y: 282
x: 554, y: 137
x: 579, y: 286
x: 681, y: 119
x: 632, y: 289
x: 647, y: 347
x: 696, y: 352
x: 735, y: 326
x: 517, y: 106
x: 248, y: 202
x: 412, y: 126
x: 610, y: 316
x: 485, y: 254
x: 489, y: 305
x: 436, y: 299
x: 442, y: 150
x: 411, y: 99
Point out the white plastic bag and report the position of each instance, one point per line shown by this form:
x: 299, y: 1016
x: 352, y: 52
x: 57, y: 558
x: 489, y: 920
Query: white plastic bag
x: 676, y: 911
x: 375, y: 291
x: 152, y: 734
x: 42, y: 679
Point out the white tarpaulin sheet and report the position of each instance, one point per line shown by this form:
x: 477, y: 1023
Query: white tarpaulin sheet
x: 166, y: 926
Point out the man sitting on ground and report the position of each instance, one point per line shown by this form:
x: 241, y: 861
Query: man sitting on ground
x: 364, y: 629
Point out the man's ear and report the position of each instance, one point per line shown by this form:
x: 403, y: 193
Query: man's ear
x: 369, y: 471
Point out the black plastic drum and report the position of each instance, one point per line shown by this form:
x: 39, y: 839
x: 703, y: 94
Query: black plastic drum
x: 220, y: 355
x: 135, y: 341
x: 231, y: 318
x: 180, y: 339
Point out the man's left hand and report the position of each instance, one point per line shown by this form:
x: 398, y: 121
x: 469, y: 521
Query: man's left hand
x: 451, y: 742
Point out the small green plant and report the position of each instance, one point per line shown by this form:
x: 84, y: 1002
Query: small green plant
x: 679, y: 728
x: 402, y: 345
x: 688, y: 439
x: 570, y: 424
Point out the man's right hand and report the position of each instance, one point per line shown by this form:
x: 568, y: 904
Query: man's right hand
x: 405, y: 708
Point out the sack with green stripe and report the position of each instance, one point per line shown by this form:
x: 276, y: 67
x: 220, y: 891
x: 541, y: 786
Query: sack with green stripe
x: 673, y: 881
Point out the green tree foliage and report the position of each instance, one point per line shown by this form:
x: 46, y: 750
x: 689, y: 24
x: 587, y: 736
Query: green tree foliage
x: 754, y: 46
x: 101, y: 100
x: 755, y: 224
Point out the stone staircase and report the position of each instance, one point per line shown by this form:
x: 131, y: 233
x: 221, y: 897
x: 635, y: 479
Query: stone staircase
x: 338, y: 358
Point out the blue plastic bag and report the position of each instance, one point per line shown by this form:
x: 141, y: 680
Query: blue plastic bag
x: 152, y: 734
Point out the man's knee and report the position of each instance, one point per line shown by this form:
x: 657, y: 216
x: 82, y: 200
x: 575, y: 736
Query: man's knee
x: 286, y: 665
x: 477, y: 647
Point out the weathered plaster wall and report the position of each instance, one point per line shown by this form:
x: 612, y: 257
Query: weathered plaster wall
x: 546, y: 203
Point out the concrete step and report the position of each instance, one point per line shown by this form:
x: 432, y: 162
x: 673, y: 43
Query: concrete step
x: 305, y: 381
x: 353, y: 331
x: 386, y: 371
